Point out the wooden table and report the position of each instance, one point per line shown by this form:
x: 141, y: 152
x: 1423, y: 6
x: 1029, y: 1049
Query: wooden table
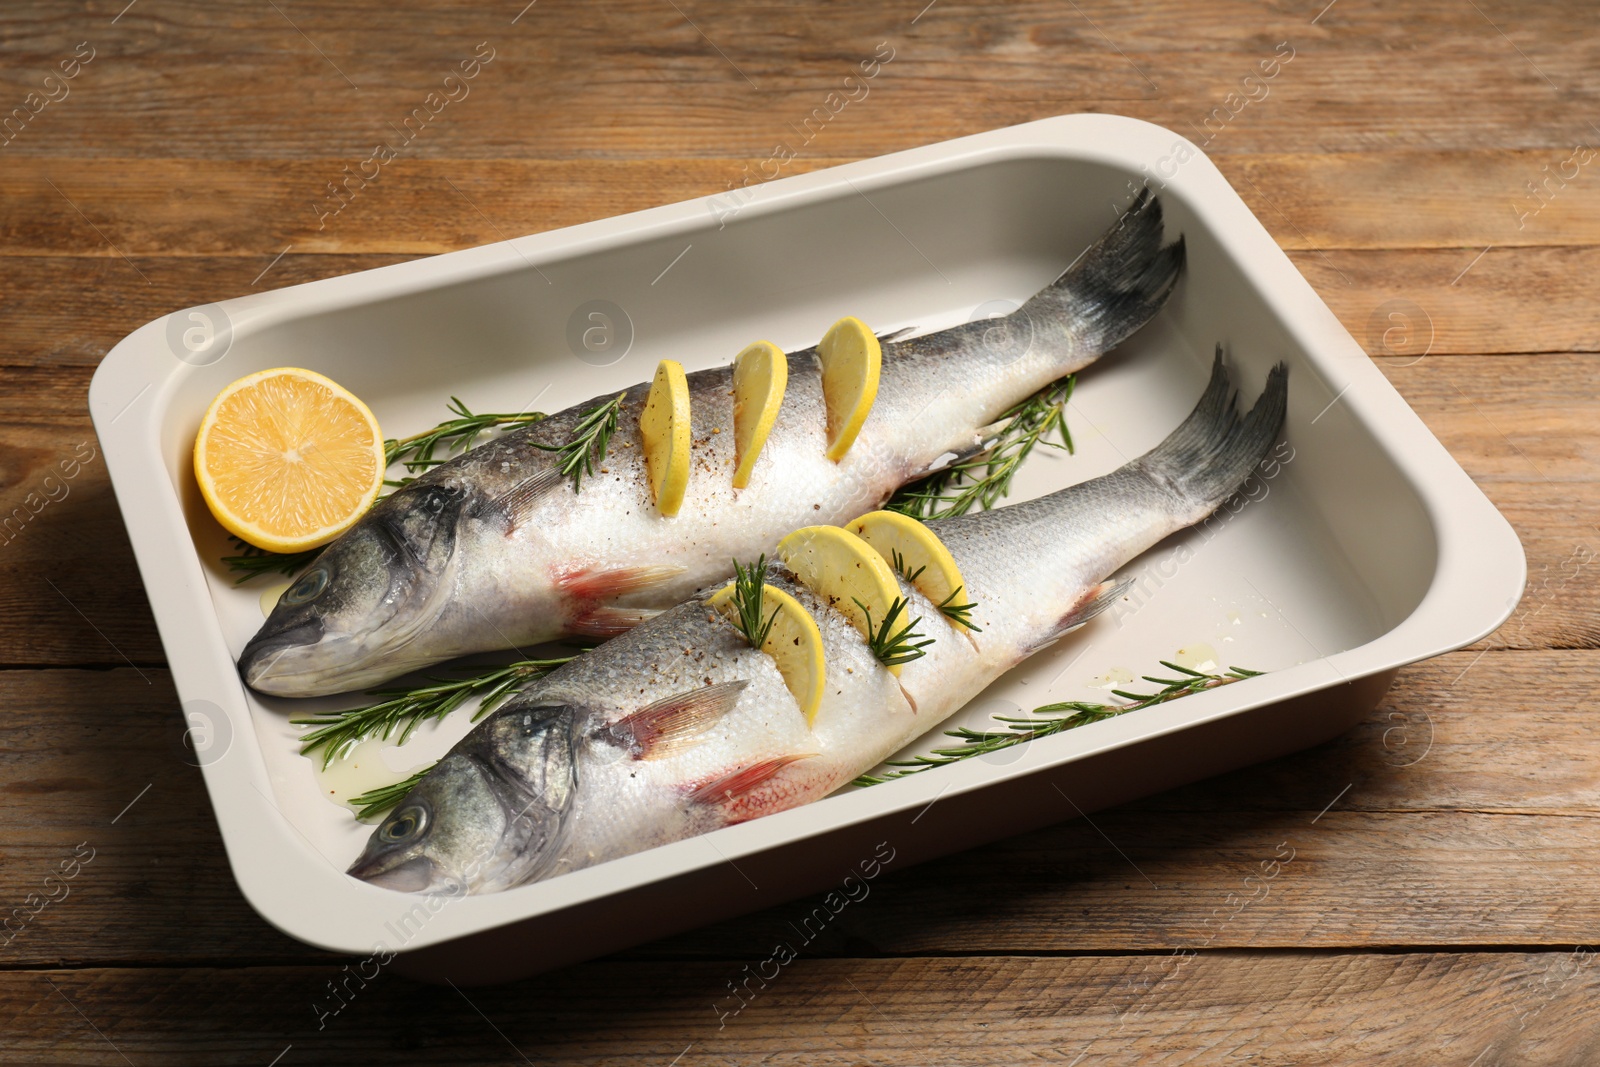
x: 1444, y: 854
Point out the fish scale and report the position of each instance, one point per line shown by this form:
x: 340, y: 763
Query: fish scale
x: 1034, y: 570
x: 489, y: 550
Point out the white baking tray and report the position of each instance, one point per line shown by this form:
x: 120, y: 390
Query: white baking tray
x: 1370, y: 549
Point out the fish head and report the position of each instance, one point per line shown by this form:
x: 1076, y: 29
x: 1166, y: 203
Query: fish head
x: 344, y: 622
x: 488, y: 816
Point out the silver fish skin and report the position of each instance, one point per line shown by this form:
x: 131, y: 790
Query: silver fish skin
x: 563, y: 776
x: 492, y: 551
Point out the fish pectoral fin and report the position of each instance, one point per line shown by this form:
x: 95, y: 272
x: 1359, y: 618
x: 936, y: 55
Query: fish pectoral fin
x: 616, y: 581
x: 1096, y: 600
x: 517, y: 501
x: 664, y: 727
x: 740, y: 782
x: 606, y: 622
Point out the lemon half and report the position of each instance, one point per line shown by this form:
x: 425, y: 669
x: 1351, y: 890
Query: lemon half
x: 287, y: 459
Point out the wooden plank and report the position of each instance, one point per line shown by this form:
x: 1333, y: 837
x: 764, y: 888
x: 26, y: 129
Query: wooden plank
x: 1528, y: 431
x: 145, y: 207
x: 1502, y: 1007
x: 637, y: 79
x: 1467, y: 763
x: 1503, y: 300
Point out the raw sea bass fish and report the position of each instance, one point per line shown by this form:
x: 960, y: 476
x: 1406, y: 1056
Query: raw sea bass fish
x: 587, y: 764
x: 496, y: 550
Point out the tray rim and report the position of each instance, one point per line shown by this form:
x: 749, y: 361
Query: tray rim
x: 1478, y: 577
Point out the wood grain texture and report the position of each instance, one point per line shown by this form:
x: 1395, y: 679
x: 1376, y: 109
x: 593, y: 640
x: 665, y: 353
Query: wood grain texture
x: 1510, y: 1007
x: 641, y: 80
x: 185, y: 207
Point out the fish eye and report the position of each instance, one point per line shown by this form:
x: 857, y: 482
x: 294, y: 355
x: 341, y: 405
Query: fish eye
x: 307, y: 588
x: 403, y: 824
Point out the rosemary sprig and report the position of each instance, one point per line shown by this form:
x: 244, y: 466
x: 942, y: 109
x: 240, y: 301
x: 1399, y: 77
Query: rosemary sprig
x: 405, y: 709
x: 984, y: 479
x: 586, y: 448
x: 385, y: 797
x: 1076, y: 713
x: 961, y: 613
x: 902, y: 568
x: 893, y: 648
x: 748, y: 593
x: 252, y: 562
x: 419, y: 451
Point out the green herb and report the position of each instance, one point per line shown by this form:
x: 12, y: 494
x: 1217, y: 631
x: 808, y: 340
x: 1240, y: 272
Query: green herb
x: 893, y: 648
x: 902, y: 568
x: 961, y: 613
x: 252, y: 562
x: 419, y: 451
x: 1056, y: 718
x: 587, y: 446
x: 381, y: 799
x: 405, y: 709
x: 749, y: 588
x: 983, y: 480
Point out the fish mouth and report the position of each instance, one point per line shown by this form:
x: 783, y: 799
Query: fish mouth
x: 261, y: 656
x: 413, y: 876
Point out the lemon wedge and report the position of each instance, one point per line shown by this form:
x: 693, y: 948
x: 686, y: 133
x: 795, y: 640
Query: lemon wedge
x: 917, y: 553
x: 288, y: 460
x: 664, y: 430
x: 760, y: 374
x: 836, y: 564
x: 851, y: 359
x: 794, y: 642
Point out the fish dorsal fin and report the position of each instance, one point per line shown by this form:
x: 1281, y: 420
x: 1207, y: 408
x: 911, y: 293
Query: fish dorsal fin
x: 894, y: 335
x: 516, y: 501
x: 1096, y: 600
x: 666, y: 726
x: 736, y: 784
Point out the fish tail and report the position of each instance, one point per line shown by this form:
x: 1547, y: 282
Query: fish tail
x: 1119, y: 283
x: 1208, y: 457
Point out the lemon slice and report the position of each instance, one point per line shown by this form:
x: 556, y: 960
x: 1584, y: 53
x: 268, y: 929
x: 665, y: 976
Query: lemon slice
x: 851, y: 358
x: 794, y: 643
x: 664, y: 428
x: 836, y: 564
x: 760, y: 374
x: 287, y: 459
x: 913, y: 549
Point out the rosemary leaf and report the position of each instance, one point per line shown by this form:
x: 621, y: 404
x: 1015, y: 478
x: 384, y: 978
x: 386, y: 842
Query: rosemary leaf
x: 748, y: 593
x: 404, y: 709
x: 419, y: 452
x: 586, y: 448
x: 1054, y: 719
x: 252, y: 562
x: 902, y: 568
x: 890, y: 647
x: 961, y: 613
x: 984, y: 480
x: 381, y: 799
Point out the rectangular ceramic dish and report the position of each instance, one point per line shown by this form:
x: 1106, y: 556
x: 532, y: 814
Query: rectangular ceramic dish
x: 1368, y: 549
